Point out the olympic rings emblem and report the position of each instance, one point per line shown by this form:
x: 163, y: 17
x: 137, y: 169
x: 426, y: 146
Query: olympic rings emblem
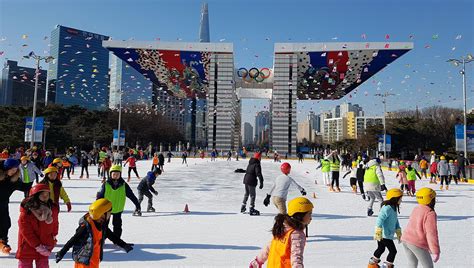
x: 254, y: 73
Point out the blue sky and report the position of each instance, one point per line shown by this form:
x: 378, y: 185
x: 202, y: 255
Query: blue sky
x: 439, y: 29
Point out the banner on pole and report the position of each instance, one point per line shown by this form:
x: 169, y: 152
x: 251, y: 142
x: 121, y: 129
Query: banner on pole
x: 459, y: 133
x: 39, y: 126
x: 388, y: 141
x: 116, y: 139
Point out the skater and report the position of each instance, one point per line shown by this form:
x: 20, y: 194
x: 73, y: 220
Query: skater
x: 56, y: 191
x: 169, y: 155
x: 360, y: 175
x: 36, y: 159
x: 276, y: 157
x: 184, y: 156
x: 287, y: 246
x: 335, y: 161
x: 374, y: 183
x: 300, y: 157
x: 462, y: 163
x: 254, y: 171
x: 35, y: 228
x: 28, y: 172
x: 402, y: 178
x: 66, y: 166
x: 84, y: 165
x: 116, y: 190
x: 433, y: 172
x: 102, y: 154
x: 326, y: 170
x: 161, y: 161
x: 420, y: 237
x: 279, y: 191
x: 9, y: 182
x: 154, y: 162
x: 353, y: 177
x: 443, y: 172
x: 453, y: 171
x: 424, y: 167
x: 386, y: 227
x: 411, y: 178
x: 145, y: 188
x: 213, y: 155
x: 58, y: 164
x: 88, y: 241
x: 132, y: 165
x: 229, y: 155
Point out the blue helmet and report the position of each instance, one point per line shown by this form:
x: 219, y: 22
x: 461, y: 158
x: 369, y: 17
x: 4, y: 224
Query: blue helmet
x: 10, y: 163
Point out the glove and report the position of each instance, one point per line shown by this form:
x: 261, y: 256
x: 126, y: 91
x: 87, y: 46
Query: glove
x: 266, y: 201
x: 69, y: 206
x: 128, y: 247
x: 261, y: 185
x: 256, y: 263
x: 383, y: 187
x: 43, y: 250
x: 435, y: 257
x: 303, y: 192
x: 155, y: 192
x: 399, y: 235
x: 58, y: 257
x: 378, y: 234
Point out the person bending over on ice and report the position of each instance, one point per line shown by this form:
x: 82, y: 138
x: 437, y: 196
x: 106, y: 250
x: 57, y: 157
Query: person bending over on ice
x: 280, y: 188
x: 287, y: 247
x: 9, y: 182
x: 254, y: 171
x: 386, y: 227
x: 116, y: 190
x: 145, y: 188
x: 374, y: 183
x: 35, y: 228
x: 88, y: 241
x: 420, y: 237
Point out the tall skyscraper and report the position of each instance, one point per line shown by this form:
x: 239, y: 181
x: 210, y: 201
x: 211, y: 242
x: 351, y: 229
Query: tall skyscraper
x: 262, y: 123
x: 136, y: 89
x: 79, y: 73
x: 248, y: 133
x: 17, y: 85
x: 204, y: 34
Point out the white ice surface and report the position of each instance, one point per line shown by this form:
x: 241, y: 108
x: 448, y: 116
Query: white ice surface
x: 215, y: 234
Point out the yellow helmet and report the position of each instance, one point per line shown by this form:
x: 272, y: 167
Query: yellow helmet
x: 442, y: 157
x: 299, y: 204
x: 25, y: 158
x: 432, y: 152
x: 49, y: 170
x: 57, y: 160
x: 116, y: 168
x: 99, y: 208
x: 394, y: 192
x: 425, y: 195
x: 451, y: 161
x: 354, y: 164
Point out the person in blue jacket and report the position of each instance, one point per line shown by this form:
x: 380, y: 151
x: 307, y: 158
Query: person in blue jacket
x: 386, y: 227
x: 145, y: 188
x: 116, y: 190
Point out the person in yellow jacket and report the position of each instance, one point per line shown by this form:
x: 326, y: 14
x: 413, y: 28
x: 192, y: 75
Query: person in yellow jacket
x: 287, y: 246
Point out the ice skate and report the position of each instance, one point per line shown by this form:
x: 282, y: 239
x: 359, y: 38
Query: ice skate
x: 5, y: 248
x: 447, y: 187
x: 373, y: 263
x: 254, y: 212
x: 338, y: 189
x: 363, y: 196
x: 354, y: 189
x: 150, y: 209
x: 370, y: 212
x: 441, y: 187
x: 243, y: 208
x: 137, y: 213
x: 388, y: 265
x: 331, y: 189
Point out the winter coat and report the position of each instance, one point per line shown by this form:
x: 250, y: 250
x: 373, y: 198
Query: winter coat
x: 422, y: 229
x: 281, y: 186
x: 434, y: 168
x: 423, y: 164
x: 296, y: 246
x: 453, y: 169
x: 106, y: 164
x: 462, y: 161
x: 402, y: 175
x: 47, y: 161
x: 115, y: 184
x: 131, y: 162
x: 254, y: 171
x: 360, y: 171
x: 84, y: 160
x: 8, y: 185
x: 388, y: 221
x: 37, y: 161
x: 31, y: 169
x: 82, y: 242
x: 443, y: 168
x: 56, y: 191
x: 373, y: 176
x: 146, y: 184
x: 34, y: 228
x: 161, y: 159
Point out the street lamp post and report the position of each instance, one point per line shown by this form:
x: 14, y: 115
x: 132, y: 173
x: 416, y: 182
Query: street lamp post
x: 384, y: 101
x: 119, y: 119
x: 38, y: 59
x: 469, y: 58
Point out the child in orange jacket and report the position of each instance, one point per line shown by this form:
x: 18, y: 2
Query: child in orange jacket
x: 287, y: 246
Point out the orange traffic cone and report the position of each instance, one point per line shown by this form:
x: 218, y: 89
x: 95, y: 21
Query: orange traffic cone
x: 314, y: 195
x: 186, y: 209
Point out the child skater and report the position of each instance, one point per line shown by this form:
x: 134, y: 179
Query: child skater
x: 402, y: 178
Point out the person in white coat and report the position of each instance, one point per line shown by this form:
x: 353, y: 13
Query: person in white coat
x: 279, y: 191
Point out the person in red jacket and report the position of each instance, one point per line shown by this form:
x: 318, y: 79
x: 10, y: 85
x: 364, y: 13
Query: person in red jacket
x: 433, y: 172
x: 35, y: 233
x: 132, y: 165
x: 106, y: 165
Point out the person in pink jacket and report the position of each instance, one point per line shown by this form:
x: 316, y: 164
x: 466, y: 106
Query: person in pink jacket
x: 402, y: 176
x: 420, y: 237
